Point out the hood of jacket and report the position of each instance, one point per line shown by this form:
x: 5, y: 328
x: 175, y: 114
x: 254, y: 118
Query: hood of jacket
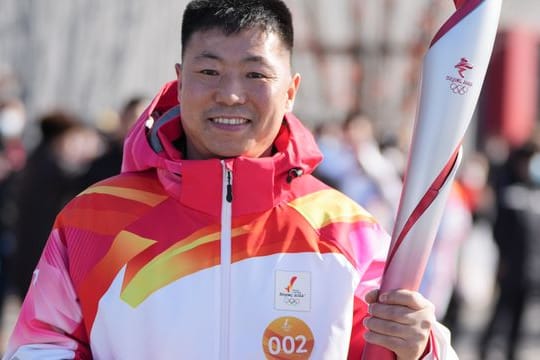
x: 258, y: 183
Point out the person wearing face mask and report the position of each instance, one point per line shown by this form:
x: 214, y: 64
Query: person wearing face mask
x: 12, y: 161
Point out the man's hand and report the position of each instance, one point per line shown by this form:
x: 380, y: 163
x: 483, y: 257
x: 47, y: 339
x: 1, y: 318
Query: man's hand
x: 400, y: 321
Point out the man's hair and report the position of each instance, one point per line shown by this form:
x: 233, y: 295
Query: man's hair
x: 233, y: 16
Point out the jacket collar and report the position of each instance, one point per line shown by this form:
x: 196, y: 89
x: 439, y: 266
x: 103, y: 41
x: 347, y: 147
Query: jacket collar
x: 257, y: 183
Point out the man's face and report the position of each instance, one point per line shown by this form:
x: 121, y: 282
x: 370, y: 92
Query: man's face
x: 234, y: 92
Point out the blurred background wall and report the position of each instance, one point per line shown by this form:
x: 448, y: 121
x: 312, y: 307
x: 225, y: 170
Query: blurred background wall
x: 90, y: 55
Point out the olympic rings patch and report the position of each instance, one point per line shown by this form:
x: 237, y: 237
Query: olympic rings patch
x: 289, y: 300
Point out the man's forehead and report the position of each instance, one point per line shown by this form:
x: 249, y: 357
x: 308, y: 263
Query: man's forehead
x: 248, y: 38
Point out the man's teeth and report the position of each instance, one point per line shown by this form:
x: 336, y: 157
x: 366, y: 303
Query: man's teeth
x: 230, y: 121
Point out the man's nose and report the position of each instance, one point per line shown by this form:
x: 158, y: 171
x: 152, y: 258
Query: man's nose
x: 230, y: 91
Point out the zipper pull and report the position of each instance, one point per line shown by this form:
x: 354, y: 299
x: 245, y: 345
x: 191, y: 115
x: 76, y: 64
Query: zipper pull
x: 229, y: 187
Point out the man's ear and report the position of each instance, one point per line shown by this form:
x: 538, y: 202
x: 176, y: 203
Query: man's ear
x: 292, y: 90
x: 178, y: 70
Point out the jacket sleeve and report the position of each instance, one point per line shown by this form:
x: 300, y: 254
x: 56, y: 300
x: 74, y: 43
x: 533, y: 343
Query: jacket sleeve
x: 439, y: 347
x: 370, y: 246
x: 50, y: 322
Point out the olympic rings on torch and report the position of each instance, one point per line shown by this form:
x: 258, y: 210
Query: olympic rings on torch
x: 459, y: 89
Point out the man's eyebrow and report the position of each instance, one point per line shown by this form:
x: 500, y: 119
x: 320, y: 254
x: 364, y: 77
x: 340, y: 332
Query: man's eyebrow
x: 255, y: 58
x: 207, y: 55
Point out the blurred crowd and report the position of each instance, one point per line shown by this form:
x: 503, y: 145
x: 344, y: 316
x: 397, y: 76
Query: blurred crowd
x: 46, y: 161
x: 498, y: 184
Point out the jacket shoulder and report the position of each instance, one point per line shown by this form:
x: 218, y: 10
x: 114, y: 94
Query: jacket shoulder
x: 142, y: 187
x: 110, y: 204
x: 96, y: 218
x: 323, y: 205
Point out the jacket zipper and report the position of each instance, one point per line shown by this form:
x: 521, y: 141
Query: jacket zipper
x: 226, y: 214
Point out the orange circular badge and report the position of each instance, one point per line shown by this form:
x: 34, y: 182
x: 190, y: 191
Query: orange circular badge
x: 287, y: 338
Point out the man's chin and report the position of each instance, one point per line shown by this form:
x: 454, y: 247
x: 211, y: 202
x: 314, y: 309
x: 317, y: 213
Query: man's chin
x: 244, y: 150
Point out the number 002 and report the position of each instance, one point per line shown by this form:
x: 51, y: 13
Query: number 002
x: 287, y: 344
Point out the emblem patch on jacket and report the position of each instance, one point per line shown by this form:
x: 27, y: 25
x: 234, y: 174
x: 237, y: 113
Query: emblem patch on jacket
x: 292, y: 290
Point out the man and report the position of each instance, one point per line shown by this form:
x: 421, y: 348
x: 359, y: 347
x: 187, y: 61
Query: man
x: 215, y: 242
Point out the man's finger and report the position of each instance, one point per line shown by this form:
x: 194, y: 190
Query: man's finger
x: 411, y: 299
x: 385, y: 327
x: 400, y: 314
x: 372, y: 296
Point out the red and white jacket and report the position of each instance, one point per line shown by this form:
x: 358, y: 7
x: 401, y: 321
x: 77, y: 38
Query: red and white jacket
x: 217, y: 259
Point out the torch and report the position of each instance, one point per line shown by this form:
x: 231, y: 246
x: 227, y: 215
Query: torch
x: 453, y: 71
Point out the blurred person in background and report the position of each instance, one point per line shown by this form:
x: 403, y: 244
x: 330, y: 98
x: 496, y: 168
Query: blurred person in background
x: 336, y: 161
x: 109, y: 163
x: 381, y: 190
x: 12, y: 161
x: 516, y: 229
x: 470, y: 202
x: 439, y: 283
x: 353, y: 163
x: 45, y: 185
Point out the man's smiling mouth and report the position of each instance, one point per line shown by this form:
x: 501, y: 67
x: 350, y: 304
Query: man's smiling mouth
x: 229, y: 121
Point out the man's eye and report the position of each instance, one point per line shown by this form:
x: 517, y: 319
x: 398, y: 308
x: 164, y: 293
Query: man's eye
x: 209, y: 72
x: 256, y: 75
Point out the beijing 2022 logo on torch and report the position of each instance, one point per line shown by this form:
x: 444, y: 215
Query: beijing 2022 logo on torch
x: 458, y: 84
